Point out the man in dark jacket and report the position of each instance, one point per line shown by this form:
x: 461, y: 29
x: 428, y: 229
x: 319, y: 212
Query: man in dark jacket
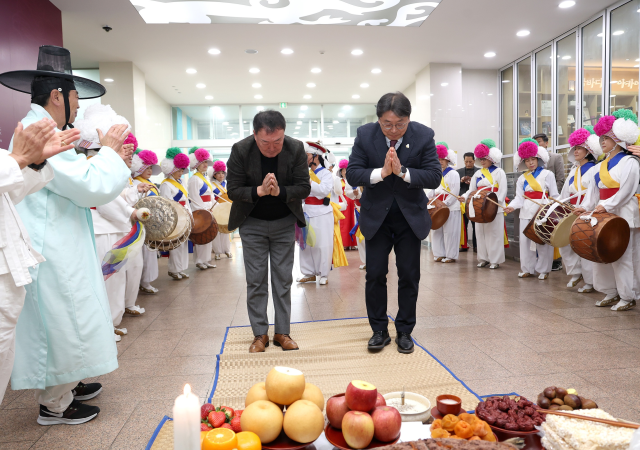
x: 465, y: 182
x: 394, y: 159
x: 267, y: 179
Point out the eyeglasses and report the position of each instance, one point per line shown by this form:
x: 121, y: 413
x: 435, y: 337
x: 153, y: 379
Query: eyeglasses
x: 399, y: 126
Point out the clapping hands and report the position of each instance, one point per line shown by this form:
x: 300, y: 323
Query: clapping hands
x: 269, y: 186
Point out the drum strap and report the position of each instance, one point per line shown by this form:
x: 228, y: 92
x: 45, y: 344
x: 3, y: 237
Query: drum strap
x: 153, y: 189
x: 207, y: 182
x: 177, y: 185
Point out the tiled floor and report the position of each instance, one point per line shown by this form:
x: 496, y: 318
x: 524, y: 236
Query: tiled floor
x: 496, y: 332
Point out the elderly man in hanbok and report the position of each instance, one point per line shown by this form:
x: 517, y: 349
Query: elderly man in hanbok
x: 315, y: 262
x: 21, y: 175
x: 65, y: 333
x: 200, y: 194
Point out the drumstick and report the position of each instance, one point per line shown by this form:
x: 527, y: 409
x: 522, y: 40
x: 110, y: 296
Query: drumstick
x: 221, y: 197
x: 537, y: 203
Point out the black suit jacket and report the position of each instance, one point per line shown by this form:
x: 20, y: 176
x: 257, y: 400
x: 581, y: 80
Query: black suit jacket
x: 418, y: 153
x: 244, y: 172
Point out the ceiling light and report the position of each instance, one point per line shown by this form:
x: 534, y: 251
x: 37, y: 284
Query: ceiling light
x: 341, y: 115
x: 304, y: 108
x: 297, y: 128
x: 256, y: 85
x: 306, y: 97
x: 364, y: 85
x: 506, y: 81
x: 286, y: 51
x: 109, y: 80
x: 316, y: 70
x: 566, y: 57
x: 315, y: 121
x: 489, y: 54
x: 225, y: 123
x: 357, y: 52
x: 376, y: 71
x: 618, y: 33
x: 311, y: 85
x: 209, y: 97
x: 257, y: 97
x: 214, y: 51
x: 567, y: 4
x: 201, y: 85
x: 191, y: 71
x: 299, y: 122
x: 300, y: 116
x: 523, y: 33
x: 355, y: 96
x: 489, y: 94
x: 254, y: 70
x: 444, y: 84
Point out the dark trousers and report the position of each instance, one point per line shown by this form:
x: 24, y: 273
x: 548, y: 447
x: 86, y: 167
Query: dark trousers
x: 394, y: 233
x: 473, y: 230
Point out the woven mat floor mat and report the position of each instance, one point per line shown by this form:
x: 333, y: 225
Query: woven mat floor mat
x: 332, y: 353
x: 164, y: 439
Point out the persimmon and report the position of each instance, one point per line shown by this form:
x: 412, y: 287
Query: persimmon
x: 440, y: 433
x: 437, y: 424
x: 474, y: 438
x: 463, y: 429
x: 449, y: 422
x: 467, y: 417
x: 490, y: 437
x: 480, y: 428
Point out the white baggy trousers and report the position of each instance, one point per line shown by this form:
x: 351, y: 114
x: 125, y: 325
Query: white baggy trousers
x: 446, y: 239
x: 534, y: 257
x: 11, y: 303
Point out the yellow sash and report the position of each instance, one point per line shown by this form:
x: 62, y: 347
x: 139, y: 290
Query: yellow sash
x: 444, y: 184
x: 130, y: 182
x: 315, y: 179
x: 178, y: 186
x: 488, y: 176
x: 339, y: 257
x: 532, y: 181
x: 145, y: 181
x: 605, y: 176
x: 207, y: 182
x: 223, y: 193
x: 577, y: 183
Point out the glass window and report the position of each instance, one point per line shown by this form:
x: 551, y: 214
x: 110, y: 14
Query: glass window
x: 303, y: 121
x: 507, y: 111
x: 507, y: 164
x: 625, y: 57
x: 592, y: 51
x: 205, y: 122
x: 566, y: 89
x: 544, y: 103
x: 342, y: 121
x: 524, y: 99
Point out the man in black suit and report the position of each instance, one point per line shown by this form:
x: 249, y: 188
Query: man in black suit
x: 268, y: 177
x: 465, y: 182
x: 394, y: 160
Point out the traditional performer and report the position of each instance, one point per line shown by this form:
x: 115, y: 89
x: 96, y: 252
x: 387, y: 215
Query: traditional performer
x: 585, y: 151
x: 19, y: 178
x: 222, y: 242
x: 491, y: 237
x: 201, y: 197
x: 172, y: 188
x: 143, y: 165
x: 65, y: 331
x: 446, y: 239
x: 315, y: 262
x: 537, y: 184
x: 346, y: 225
x: 613, y: 190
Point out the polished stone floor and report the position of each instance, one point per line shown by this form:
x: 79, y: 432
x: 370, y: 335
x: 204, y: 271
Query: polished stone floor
x: 497, y: 333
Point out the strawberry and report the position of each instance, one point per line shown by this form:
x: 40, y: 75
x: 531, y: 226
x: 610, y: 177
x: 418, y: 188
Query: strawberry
x: 238, y: 413
x: 216, y: 418
x: 205, y: 410
x: 226, y: 425
x: 228, y: 411
x: 205, y: 427
x: 235, y: 424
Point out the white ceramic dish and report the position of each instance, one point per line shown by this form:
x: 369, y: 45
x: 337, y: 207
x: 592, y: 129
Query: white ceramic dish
x: 412, y: 417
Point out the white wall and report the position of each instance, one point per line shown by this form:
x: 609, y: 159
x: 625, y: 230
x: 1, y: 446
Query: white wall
x: 154, y: 130
x: 422, y: 106
x: 480, y: 116
x: 410, y: 92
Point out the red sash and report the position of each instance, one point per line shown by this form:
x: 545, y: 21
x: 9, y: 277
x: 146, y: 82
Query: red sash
x: 575, y: 200
x: 205, y: 198
x: 608, y: 193
x: 441, y: 197
x: 357, y: 201
x: 313, y: 201
x: 533, y: 195
x: 93, y: 207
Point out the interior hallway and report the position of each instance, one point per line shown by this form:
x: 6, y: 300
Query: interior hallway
x: 497, y: 333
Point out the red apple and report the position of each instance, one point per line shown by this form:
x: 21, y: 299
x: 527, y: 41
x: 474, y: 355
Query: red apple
x: 361, y: 396
x: 380, y: 401
x: 336, y: 409
x: 386, y: 422
x: 357, y: 429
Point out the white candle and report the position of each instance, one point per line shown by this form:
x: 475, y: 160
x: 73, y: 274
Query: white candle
x: 186, y: 421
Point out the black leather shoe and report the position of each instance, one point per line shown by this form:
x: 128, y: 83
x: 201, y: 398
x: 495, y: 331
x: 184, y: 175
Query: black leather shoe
x: 379, y: 340
x: 405, y: 343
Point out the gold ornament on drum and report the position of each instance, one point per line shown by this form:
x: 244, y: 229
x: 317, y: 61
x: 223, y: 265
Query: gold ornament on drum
x: 179, y: 235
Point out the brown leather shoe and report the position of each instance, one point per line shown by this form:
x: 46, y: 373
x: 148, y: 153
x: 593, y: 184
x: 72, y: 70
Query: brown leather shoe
x: 284, y: 341
x: 259, y: 344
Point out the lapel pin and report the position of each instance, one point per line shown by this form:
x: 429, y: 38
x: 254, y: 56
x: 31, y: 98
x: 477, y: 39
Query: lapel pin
x: 407, y: 145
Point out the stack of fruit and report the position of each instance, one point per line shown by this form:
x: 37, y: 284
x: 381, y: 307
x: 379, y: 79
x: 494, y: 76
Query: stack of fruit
x: 555, y: 398
x: 465, y: 426
x: 220, y: 417
x: 361, y: 413
x: 303, y: 421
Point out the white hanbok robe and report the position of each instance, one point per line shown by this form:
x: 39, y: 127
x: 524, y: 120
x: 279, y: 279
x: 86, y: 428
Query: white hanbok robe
x: 445, y: 240
x: 490, y: 236
x: 179, y: 257
x: 624, y: 203
x: 317, y: 260
x: 534, y: 257
x: 222, y: 242
x: 356, y: 194
x: 149, y: 257
x: 64, y: 332
x: 198, y: 189
x: 16, y: 254
x: 573, y: 264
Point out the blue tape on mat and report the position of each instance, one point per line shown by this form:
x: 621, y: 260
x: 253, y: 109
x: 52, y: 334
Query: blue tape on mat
x: 155, y: 433
x: 501, y: 395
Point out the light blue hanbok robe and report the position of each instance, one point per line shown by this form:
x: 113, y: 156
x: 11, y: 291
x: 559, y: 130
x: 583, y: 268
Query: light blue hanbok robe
x: 64, y: 332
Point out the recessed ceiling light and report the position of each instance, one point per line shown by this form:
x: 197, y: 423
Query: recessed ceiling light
x: 618, y: 33
x: 251, y: 51
x: 341, y: 115
x: 376, y: 71
x: 364, y: 85
x: 300, y: 116
x: 304, y: 108
x: 357, y: 52
x: 489, y: 94
x: 316, y: 70
x: 566, y: 57
x: 214, y: 51
x: 191, y: 71
x: 109, y: 80
x: 315, y: 121
x: 257, y: 97
x: 336, y: 121
x: 256, y: 85
x: 523, y: 33
x: 489, y: 54
x: 299, y: 122
x: 254, y: 70
x: 567, y: 4
x: 286, y: 51
x: 209, y: 97
x: 297, y: 128
x: 311, y: 85
x: 355, y: 96
x: 306, y: 97
x: 506, y: 81
x: 201, y: 85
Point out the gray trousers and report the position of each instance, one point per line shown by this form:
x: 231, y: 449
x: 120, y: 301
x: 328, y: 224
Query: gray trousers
x: 265, y: 242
